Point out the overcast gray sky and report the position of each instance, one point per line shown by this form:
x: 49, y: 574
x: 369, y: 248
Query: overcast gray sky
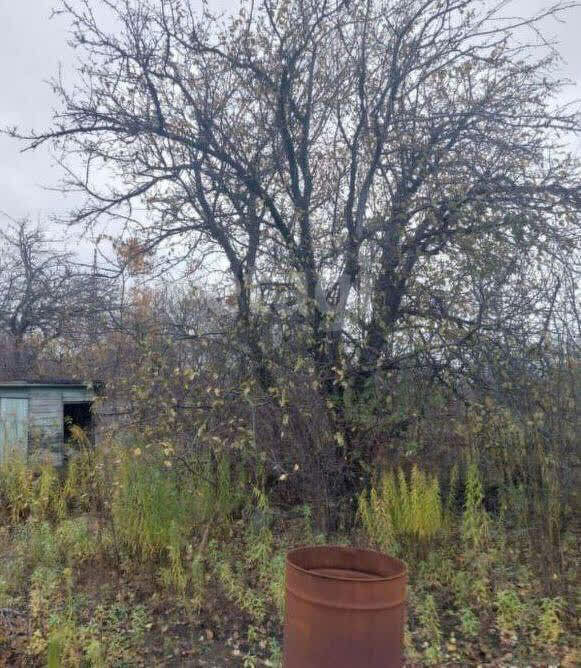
x: 31, y: 49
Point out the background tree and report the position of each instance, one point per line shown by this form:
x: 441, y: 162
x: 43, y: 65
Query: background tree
x: 386, y: 183
x: 44, y: 297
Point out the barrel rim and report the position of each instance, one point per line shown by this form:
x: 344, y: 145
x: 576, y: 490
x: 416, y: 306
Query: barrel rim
x: 402, y: 573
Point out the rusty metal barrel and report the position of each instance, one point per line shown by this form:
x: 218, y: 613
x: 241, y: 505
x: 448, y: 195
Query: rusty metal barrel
x: 345, y: 608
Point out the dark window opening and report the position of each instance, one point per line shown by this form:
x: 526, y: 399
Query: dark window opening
x: 77, y: 416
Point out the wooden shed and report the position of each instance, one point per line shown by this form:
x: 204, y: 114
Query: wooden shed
x: 36, y: 417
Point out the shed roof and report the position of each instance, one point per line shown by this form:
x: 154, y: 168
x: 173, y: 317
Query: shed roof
x: 45, y: 382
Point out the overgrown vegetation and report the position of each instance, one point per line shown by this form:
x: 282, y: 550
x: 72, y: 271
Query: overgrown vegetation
x: 137, y: 554
x: 343, y: 307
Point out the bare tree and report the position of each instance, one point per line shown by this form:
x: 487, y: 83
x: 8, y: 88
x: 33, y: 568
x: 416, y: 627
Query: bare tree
x: 384, y: 181
x: 44, y: 296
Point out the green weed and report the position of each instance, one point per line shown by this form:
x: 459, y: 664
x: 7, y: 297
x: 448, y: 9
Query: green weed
x: 431, y: 630
x: 469, y: 623
x: 475, y: 523
x: 550, y: 621
x: 509, y: 611
x: 402, y: 515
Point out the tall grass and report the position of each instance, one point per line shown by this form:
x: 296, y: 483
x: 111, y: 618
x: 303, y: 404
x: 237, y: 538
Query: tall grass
x: 17, y: 488
x: 403, y: 515
x: 148, y: 508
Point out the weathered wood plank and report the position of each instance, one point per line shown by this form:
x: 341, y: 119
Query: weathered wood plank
x: 46, y: 421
